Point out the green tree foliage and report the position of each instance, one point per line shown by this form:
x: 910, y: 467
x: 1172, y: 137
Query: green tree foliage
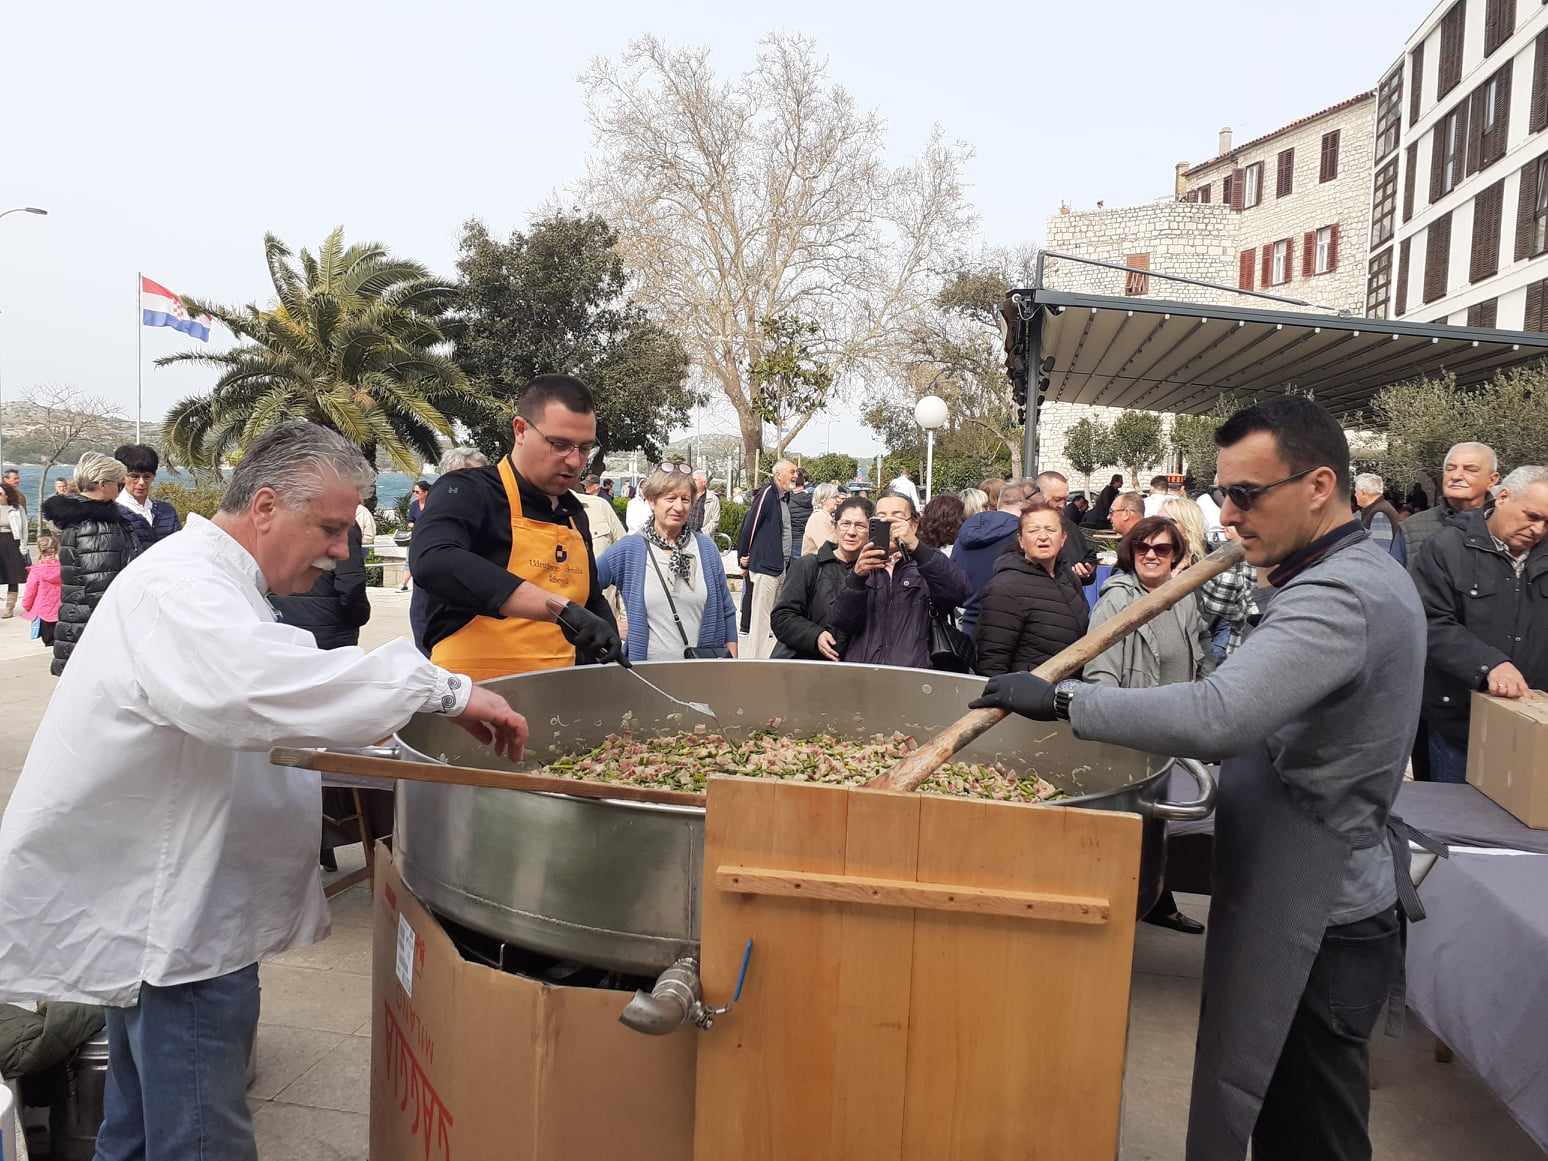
x: 1193, y: 438
x: 201, y: 496
x: 830, y: 468
x: 356, y: 342
x: 1424, y: 418
x: 1088, y: 445
x: 790, y: 377
x: 1137, y: 442
x: 731, y: 516
x: 554, y: 299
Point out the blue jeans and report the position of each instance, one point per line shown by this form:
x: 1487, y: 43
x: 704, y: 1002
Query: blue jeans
x: 177, y: 1073
x: 1448, y: 763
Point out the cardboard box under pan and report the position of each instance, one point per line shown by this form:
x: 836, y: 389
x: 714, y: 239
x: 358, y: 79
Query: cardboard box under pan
x: 473, y: 1064
x: 1507, y: 754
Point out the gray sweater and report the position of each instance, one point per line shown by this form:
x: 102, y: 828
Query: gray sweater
x: 1324, y: 695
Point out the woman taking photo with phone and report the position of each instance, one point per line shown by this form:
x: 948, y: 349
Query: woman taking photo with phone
x: 885, y: 605
x: 671, y: 579
x: 801, y: 618
x: 1033, y: 605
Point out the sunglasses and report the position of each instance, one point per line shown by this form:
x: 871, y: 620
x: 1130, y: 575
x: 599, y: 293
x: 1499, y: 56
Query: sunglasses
x: 1244, y: 496
x: 1159, y: 551
x: 674, y: 468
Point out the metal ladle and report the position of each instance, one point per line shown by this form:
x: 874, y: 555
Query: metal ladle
x: 696, y: 706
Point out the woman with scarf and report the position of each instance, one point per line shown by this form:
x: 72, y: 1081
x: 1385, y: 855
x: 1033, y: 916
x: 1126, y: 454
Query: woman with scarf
x: 671, y: 579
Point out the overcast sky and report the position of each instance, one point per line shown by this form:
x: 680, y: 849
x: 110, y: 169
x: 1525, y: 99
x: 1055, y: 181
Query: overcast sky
x: 170, y: 141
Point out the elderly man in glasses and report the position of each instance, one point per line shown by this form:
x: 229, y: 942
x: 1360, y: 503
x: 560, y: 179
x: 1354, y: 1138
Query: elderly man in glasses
x: 1313, y: 717
x: 505, y: 553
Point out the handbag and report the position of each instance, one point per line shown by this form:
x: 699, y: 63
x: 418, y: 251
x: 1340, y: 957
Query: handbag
x: 951, y: 650
x: 690, y: 652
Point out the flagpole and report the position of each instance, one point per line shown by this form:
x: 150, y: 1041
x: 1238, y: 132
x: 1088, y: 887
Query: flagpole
x: 139, y: 358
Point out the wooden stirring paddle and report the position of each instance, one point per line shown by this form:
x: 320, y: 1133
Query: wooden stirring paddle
x: 919, y: 765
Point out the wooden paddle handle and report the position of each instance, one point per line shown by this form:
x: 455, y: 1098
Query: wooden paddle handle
x: 919, y: 765
x: 391, y: 769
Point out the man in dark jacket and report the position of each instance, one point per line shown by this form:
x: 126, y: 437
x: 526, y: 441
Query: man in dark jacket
x: 763, y: 549
x: 1080, y: 553
x: 1483, y: 582
x: 983, y: 537
x: 153, y: 519
x: 336, y: 605
x: 1470, y: 470
x: 800, y: 510
x: 1379, y: 517
x: 1097, y: 517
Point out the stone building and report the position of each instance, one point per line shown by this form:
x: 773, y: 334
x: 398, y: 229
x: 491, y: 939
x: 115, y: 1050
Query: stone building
x: 1459, y: 201
x: 1287, y: 213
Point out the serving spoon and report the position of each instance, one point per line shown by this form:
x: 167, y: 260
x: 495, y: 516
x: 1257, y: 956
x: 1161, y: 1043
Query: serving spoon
x: 696, y: 706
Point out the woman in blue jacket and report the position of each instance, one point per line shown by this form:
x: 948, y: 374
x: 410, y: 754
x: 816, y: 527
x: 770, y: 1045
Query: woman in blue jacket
x: 671, y: 578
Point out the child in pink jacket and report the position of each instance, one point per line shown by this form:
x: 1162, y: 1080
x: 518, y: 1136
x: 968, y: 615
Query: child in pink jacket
x: 40, y: 601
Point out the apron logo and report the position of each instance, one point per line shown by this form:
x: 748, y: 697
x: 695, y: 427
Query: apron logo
x: 560, y: 554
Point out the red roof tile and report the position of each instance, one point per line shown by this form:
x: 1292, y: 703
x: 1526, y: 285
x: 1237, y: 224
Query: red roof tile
x: 1235, y: 149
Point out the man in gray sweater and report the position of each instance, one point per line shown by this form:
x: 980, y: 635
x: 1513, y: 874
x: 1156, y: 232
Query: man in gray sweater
x: 1313, y: 718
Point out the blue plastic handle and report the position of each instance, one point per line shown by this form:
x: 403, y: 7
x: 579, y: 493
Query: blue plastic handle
x: 741, y: 978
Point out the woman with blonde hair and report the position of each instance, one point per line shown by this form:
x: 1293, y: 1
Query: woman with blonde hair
x: 95, y: 543
x: 1189, y: 517
x: 820, y: 528
x: 671, y: 579
x: 974, y: 501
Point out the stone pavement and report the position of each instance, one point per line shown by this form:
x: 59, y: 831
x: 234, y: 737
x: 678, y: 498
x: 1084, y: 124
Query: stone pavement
x: 311, y: 1092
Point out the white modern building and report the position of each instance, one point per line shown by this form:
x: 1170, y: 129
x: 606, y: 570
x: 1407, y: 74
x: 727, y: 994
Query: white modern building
x: 1459, y: 207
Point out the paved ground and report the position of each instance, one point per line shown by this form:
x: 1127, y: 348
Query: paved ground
x: 314, y: 1047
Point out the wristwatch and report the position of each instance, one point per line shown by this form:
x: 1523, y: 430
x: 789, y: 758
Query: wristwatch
x: 1064, y: 693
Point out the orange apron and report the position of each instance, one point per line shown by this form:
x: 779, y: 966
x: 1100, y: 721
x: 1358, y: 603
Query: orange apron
x: 553, y: 556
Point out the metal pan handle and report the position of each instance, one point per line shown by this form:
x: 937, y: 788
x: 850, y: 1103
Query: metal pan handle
x: 1200, y: 807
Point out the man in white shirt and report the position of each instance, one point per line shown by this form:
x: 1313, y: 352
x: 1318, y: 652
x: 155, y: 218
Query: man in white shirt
x: 636, y: 512
x: 1159, y: 494
x: 904, y: 486
x: 151, y: 855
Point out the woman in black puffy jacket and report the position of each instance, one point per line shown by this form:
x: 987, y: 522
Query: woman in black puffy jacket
x: 96, y: 541
x: 800, y: 621
x: 1033, y: 605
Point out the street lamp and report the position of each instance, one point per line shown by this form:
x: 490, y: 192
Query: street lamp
x: 3, y: 213
x: 930, y: 413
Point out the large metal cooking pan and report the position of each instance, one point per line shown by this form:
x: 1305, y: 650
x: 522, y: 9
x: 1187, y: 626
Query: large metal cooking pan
x: 616, y: 884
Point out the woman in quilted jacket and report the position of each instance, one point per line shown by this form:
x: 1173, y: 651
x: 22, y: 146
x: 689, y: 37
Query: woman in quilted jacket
x: 95, y: 543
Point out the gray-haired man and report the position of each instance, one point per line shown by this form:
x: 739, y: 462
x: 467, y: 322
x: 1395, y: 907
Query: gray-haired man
x: 1379, y: 517
x: 1469, y: 471
x: 150, y: 870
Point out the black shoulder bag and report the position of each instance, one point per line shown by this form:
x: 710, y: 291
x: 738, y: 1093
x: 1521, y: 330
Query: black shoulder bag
x: 691, y: 652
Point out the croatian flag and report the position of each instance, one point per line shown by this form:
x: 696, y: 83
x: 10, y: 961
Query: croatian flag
x: 159, y: 307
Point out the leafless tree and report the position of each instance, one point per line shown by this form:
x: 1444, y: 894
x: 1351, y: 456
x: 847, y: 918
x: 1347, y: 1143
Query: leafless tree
x: 67, y: 421
x: 767, y: 195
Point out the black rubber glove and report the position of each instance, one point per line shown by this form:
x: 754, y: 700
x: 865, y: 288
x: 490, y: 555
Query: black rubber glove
x: 1019, y: 693
x: 593, y: 637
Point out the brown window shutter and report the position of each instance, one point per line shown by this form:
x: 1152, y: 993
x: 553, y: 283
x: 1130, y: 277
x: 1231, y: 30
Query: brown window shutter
x: 1437, y: 159
x: 1485, y: 258
x: 1238, y: 188
x: 1309, y: 254
x: 1475, y: 128
x: 1204, y: 193
x: 1437, y: 259
x: 1495, y: 146
x: 1245, y: 262
x: 1137, y: 283
x: 1452, y: 29
x: 1534, y: 307
x: 1499, y: 23
x: 1333, y: 250
x: 1526, y: 207
x: 1415, y: 81
x: 1400, y: 306
x: 1329, y: 159
x: 1409, y: 172
x: 1268, y: 266
x: 1540, y: 84
x: 1286, y: 177
x: 1483, y: 314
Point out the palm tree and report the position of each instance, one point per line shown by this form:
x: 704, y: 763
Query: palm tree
x: 357, y: 341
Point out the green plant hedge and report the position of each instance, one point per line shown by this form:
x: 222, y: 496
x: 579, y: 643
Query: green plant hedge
x: 731, y: 516
x: 201, y: 498
x: 621, y: 506
x: 373, y: 575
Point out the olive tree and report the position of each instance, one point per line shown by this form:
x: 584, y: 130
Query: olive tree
x: 1137, y: 442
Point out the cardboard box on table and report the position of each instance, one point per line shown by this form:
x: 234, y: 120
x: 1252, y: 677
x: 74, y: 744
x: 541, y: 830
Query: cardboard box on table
x: 1507, y: 754
x: 473, y: 1064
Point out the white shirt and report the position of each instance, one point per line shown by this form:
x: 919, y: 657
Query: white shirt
x: 1154, y: 501
x: 666, y: 643
x: 637, y: 514
x: 905, y: 487
x: 143, y: 511
x: 149, y: 838
x: 365, y: 519
x: 1213, y: 529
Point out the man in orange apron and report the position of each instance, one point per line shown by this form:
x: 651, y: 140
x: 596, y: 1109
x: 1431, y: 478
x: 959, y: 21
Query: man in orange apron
x: 504, y: 552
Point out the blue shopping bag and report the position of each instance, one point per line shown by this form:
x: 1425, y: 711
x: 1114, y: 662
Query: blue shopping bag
x: 37, y: 627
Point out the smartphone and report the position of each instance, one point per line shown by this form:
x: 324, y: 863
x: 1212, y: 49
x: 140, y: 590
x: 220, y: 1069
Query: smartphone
x: 881, y: 533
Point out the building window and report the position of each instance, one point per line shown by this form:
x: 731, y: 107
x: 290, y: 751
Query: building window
x: 1252, y: 185
x: 1285, y: 183
x: 1277, y: 262
x: 1490, y: 121
x: 1540, y: 84
x: 1499, y: 23
x: 1488, y: 210
x: 1325, y: 250
x: 1410, y: 169
x: 1134, y: 283
x: 1389, y: 112
x: 1532, y: 210
x: 1448, y: 152
x: 1378, y: 285
x: 1245, y: 261
x: 1329, y: 156
x: 1437, y: 259
x: 1384, y: 204
x: 1415, y: 82
x: 1202, y: 194
x: 1231, y: 189
x: 1483, y: 314
x: 1400, y: 296
x: 1452, y: 25
x: 1535, y: 320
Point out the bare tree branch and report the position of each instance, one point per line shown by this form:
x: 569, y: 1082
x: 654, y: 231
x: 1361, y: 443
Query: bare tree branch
x: 67, y: 421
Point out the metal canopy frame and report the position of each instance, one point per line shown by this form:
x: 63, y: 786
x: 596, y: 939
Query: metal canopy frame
x: 1155, y: 355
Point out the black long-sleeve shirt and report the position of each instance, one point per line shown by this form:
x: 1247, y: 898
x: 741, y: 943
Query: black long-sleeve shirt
x: 462, y: 544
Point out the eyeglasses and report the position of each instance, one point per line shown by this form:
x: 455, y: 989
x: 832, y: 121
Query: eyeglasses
x: 1159, y: 551
x: 564, y: 447
x: 142, y: 477
x: 854, y: 526
x: 675, y: 468
x: 1244, y: 496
